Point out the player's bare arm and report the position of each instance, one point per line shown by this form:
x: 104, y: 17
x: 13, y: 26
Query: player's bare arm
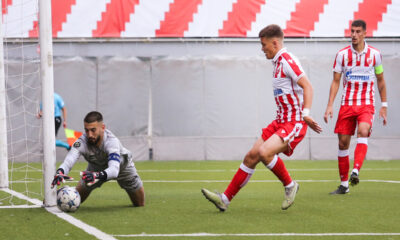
x: 382, y: 92
x: 304, y: 83
x: 332, y: 95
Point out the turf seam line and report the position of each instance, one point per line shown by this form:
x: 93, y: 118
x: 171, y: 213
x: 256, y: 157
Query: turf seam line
x: 227, y: 181
x: 54, y: 210
x: 253, y: 234
x: 230, y: 170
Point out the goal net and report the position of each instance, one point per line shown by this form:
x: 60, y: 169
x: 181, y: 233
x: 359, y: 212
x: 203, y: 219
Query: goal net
x: 21, y: 130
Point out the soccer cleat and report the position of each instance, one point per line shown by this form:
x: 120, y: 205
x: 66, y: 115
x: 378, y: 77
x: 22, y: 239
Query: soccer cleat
x: 340, y: 190
x: 354, y: 180
x: 290, y: 194
x: 215, y: 198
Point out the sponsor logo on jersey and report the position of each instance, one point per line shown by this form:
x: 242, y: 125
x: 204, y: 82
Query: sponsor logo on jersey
x: 278, y: 92
x: 351, y: 76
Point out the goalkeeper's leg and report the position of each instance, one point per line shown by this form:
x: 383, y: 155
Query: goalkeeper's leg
x: 130, y: 180
x: 137, y: 197
x: 83, y: 191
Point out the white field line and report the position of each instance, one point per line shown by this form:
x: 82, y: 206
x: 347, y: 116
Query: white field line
x: 54, y: 210
x: 255, y: 234
x: 21, y: 206
x: 228, y: 170
x: 227, y: 181
x: 257, y: 181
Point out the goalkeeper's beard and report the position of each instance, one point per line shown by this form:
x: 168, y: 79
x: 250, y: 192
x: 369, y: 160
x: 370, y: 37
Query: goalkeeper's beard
x: 94, y: 141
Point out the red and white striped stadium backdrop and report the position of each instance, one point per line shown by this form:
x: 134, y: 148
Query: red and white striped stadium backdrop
x: 209, y: 18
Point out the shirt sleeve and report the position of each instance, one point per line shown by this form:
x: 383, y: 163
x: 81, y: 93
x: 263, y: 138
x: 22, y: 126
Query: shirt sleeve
x: 378, y: 59
x: 72, y: 156
x: 60, y: 102
x: 292, y: 68
x: 338, y: 64
x: 114, y: 158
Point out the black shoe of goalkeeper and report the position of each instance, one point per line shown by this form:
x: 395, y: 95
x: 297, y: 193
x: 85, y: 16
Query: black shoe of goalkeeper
x: 354, y: 180
x: 340, y: 190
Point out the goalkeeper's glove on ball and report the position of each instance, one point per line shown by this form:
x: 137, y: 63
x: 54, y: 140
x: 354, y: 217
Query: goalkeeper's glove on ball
x: 60, y: 178
x: 91, y: 178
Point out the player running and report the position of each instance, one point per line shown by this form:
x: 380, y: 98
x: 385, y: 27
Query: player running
x: 107, y: 159
x: 293, y: 96
x: 361, y: 65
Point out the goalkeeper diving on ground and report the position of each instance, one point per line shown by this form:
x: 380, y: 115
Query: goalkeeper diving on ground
x: 107, y: 159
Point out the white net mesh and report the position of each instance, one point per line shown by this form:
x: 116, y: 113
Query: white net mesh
x: 23, y: 93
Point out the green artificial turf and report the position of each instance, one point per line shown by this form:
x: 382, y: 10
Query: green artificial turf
x: 175, y: 205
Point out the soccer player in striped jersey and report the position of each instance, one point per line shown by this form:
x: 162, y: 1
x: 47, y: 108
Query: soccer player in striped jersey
x: 107, y: 159
x: 360, y: 64
x: 293, y: 94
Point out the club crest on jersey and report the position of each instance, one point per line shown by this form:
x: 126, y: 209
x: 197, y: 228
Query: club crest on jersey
x: 77, y: 144
x: 369, y: 61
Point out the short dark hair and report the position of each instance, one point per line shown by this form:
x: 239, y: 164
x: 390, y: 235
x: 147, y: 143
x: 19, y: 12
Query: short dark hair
x: 359, y: 23
x: 93, y: 117
x: 271, y: 31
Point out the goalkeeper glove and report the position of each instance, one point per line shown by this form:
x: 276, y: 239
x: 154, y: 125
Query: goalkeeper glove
x: 60, y: 178
x: 91, y: 178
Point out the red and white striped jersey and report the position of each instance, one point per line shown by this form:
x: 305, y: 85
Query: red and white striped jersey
x: 359, y: 74
x: 288, y: 95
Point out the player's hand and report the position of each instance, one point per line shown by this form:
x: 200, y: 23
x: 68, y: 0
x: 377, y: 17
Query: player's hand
x: 65, y: 124
x: 91, y: 178
x: 328, y: 113
x: 60, y: 178
x: 383, y: 114
x: 312, y: 124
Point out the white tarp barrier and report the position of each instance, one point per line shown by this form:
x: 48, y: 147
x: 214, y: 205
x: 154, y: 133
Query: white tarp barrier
x: 204, y: 107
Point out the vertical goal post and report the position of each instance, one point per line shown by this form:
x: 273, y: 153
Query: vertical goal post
x: 3, y: 120
x: 47, y: 78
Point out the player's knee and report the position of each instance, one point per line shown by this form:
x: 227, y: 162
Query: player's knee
x: 251, y: 159
x: 363, y: 133
x: 265, y: 153
x: 139, y: 204
x: 343, y: 146
x: 137, y: 197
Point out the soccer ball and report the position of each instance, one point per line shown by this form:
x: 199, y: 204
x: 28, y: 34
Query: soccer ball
x: 68, y: 199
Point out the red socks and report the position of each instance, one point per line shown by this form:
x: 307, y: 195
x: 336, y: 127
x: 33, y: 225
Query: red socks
x: 359, y: 156
x: 278, y: 168
x: 240, y: 179
x: 344, y: 165
x: 244, y: 174
x: 360, y: 152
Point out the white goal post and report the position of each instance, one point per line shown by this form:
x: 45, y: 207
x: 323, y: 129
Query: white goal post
x: 3, y: 119
x: 47, y: 78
